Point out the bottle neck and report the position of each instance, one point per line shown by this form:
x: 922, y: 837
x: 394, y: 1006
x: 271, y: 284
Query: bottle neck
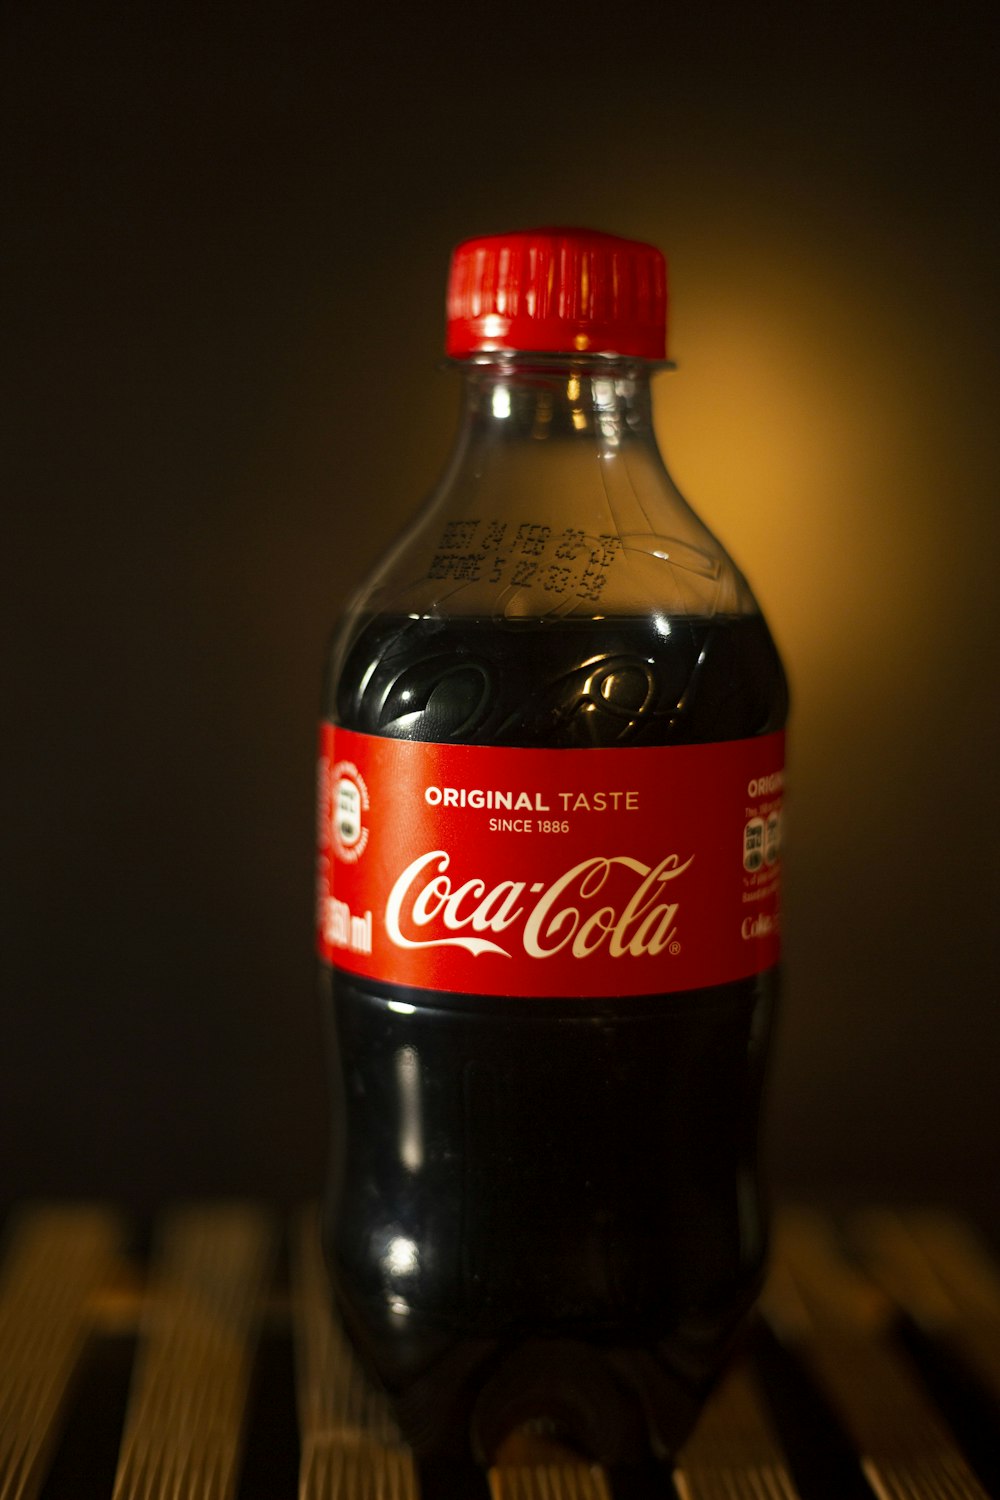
x: 549, y: 399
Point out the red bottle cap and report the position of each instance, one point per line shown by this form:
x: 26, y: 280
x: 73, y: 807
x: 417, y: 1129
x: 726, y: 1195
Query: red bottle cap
x: 557, y: 291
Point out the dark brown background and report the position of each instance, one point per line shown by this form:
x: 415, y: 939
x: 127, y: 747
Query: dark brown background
x: 226, y: 242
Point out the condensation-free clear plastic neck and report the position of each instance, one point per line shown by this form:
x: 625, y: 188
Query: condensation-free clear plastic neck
x: 538, y: 399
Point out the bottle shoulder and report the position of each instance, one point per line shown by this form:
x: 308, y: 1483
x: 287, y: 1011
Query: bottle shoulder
x: 556, y: 588
x: 560, y: 533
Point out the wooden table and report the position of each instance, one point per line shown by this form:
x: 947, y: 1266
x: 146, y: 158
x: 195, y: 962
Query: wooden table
x: 209, y: 1367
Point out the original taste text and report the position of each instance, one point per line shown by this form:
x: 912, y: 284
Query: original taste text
x: 520, y: 801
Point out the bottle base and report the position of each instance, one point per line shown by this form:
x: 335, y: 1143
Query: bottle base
x: 613, y: 1407
x: 615, y: 1404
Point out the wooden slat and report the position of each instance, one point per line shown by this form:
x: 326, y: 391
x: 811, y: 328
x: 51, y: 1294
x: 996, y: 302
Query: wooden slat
x: 839, y: 1320
x: 533, y: 1463
x: 187, y: 1407
x: 938, y: 1272
x: 351, y: 1446
x: 361, y: 1471
x: 962, y: 1262
x: 65, y: 1280
x: 56, y: 1262
x: 734, y: 1453
x: 563, y: 1481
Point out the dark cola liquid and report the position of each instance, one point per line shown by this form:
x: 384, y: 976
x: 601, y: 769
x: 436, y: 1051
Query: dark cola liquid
x: 549, y: 1208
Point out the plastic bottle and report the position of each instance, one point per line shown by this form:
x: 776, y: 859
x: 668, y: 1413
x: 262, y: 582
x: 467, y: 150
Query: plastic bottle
x: 548, y: 914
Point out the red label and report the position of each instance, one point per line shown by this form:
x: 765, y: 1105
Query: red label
x: 549, y: 872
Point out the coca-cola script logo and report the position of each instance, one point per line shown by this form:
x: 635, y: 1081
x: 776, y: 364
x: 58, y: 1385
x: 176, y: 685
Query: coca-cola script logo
x: 603, y: 902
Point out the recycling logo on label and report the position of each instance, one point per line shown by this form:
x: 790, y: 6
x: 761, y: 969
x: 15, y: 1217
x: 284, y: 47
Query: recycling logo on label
x: 348, y: 805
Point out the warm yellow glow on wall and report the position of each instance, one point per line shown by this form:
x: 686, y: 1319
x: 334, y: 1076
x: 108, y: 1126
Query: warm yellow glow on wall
x: 797, y: 425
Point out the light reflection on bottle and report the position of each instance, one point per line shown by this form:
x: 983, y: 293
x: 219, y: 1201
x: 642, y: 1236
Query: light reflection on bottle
x: 401, y: 1257
x: 411, y: 1129
x: 400, y: 1260
x: 501, y: 401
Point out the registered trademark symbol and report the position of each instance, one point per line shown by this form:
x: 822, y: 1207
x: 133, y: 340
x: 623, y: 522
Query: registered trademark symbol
x: 675, y: 947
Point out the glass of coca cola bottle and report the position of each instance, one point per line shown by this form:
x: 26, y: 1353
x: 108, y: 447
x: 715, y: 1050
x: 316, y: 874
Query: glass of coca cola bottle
x: 548, y: 911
